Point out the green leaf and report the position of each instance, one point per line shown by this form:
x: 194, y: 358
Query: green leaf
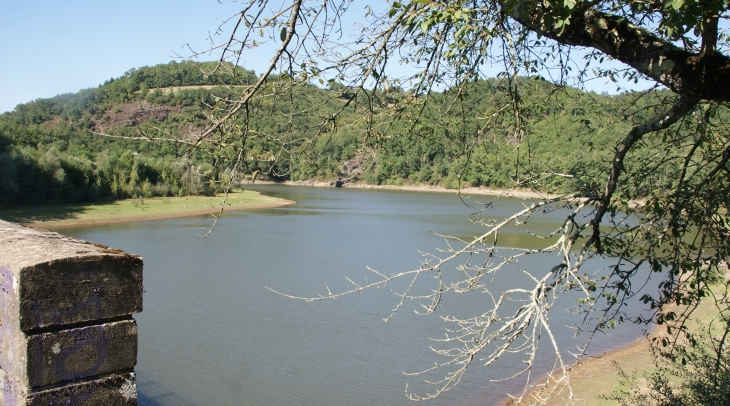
x: 677, y: 4
x: 282, y: 35
x: 424, y: 26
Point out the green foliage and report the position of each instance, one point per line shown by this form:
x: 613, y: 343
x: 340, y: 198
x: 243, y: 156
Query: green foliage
x: 700, y: 376
x: 51, y: 154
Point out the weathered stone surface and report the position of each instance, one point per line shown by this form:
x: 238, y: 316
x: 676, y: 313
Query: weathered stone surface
x: 11, y: 393
x: 52, y: 357
x: 81, y: 352
x: 110, y: 390
x: 66, y: 335
x: 47, y: 279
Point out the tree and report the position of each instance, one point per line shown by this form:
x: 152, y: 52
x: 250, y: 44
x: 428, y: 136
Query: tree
x: 660, y: 201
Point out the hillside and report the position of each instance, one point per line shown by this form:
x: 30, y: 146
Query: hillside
x: 49, y: 152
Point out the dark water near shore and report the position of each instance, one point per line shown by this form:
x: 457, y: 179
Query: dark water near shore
x: 212, y: 334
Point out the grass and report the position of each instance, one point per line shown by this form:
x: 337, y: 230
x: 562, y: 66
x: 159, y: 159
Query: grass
x: 135, y: 209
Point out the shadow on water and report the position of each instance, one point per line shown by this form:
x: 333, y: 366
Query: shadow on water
x: 150, y: 393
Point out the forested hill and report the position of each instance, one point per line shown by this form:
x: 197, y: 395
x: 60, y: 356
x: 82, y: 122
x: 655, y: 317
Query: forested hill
x: 48, y: 153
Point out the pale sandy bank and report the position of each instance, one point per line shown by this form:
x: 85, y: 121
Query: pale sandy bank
x: 515, y: 193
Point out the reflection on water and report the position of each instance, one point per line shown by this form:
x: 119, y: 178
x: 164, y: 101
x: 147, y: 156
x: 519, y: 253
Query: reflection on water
x: 212, y: 333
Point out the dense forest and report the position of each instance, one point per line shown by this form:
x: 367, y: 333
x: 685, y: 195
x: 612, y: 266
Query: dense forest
x: 51, y: 150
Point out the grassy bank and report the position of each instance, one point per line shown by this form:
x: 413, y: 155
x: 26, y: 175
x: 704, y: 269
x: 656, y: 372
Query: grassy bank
x: 136, y: 209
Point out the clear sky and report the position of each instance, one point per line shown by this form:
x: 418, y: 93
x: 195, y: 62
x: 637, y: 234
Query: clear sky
x: 51, y: 47
x: 61, y: 46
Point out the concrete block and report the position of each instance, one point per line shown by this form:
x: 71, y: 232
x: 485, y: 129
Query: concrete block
x: 59, y: 355
x: 81, y: 352
x: 48, y: 280
x: 66, y: 332
x: 108, y: 390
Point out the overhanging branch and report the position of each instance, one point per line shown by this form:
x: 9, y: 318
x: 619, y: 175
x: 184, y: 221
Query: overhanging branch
x: 681, y: 107
x: 699, y: 76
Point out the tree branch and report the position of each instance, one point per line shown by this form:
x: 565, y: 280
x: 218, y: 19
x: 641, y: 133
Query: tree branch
x: 681, y: 107
x: 697, y: 75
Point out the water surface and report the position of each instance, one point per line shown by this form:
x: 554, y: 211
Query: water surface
x: 212, y: 333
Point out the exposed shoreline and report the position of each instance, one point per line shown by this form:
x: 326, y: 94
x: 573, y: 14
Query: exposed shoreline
x: 507, y: 193
x: 123, y: 211
x: 593, y: 371
x: 600, y: 375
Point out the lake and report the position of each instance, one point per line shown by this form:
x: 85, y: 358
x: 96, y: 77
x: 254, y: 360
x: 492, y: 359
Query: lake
x: 212, y: 333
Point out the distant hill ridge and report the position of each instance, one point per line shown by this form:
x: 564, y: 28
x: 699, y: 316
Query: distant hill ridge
x: 173, y: 89
x: 49, y: 154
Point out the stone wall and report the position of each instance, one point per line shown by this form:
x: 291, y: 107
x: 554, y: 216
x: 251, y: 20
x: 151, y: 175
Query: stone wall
x: 67, y: 336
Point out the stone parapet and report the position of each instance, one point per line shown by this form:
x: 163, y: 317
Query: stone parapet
x: 67, y: 336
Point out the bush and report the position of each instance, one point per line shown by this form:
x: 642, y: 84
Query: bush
x: 697, y: 375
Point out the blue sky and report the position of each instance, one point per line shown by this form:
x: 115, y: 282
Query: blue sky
x: 55, y: 47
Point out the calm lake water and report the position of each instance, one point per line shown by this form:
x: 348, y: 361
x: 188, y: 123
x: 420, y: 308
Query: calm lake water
x: 212, y: 334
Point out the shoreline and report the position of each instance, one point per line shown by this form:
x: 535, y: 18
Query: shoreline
x: 601, y: 375
x: 151, y: 209
x: 589, y: 370
x: 522, y: 194
x: 598, y: 375
x: 74, y: 223
x: 507, y: 193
